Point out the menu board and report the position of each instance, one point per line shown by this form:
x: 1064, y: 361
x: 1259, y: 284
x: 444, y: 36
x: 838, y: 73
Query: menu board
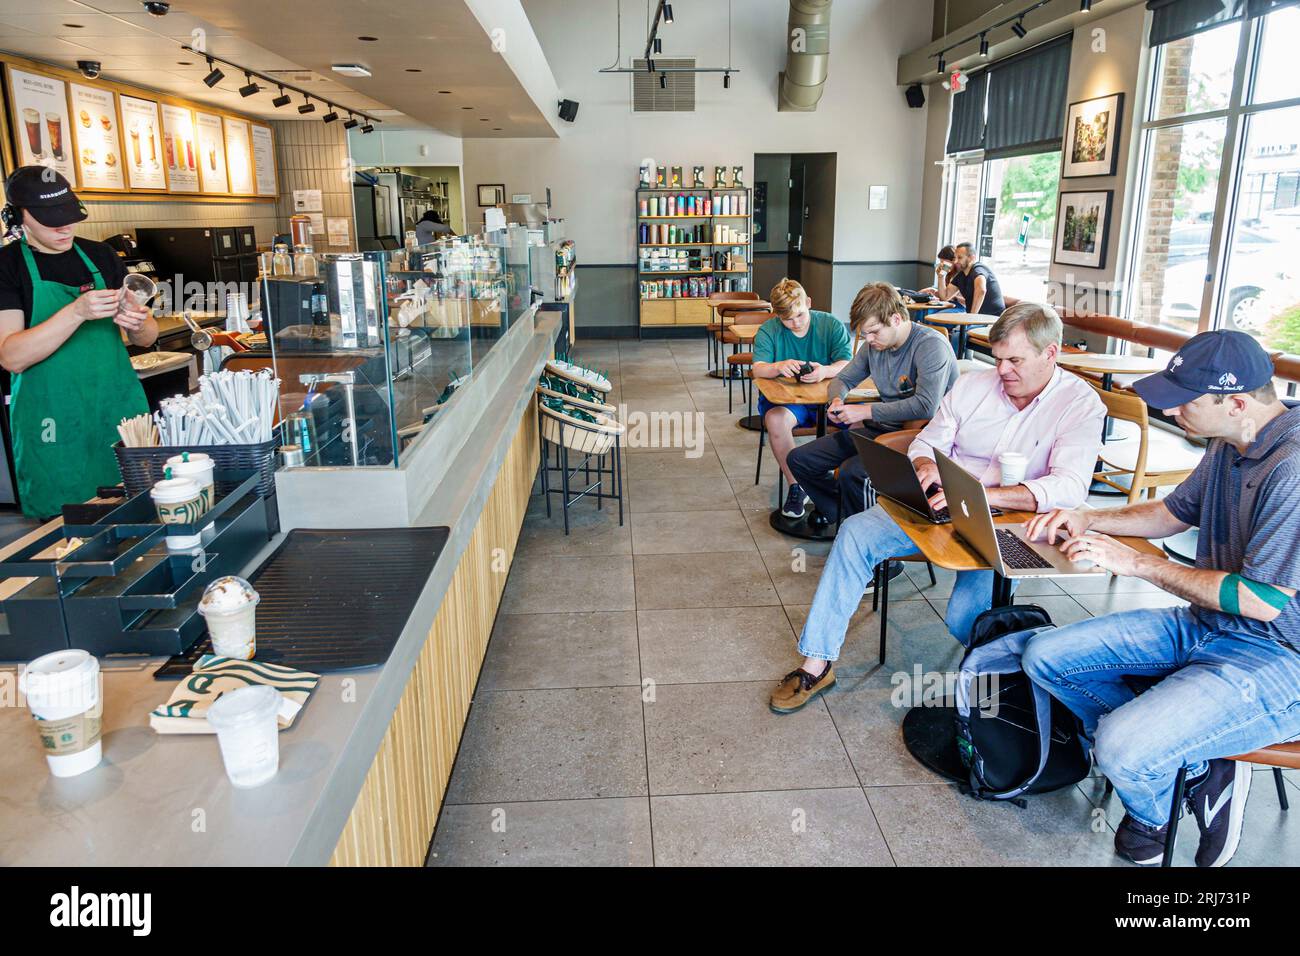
x: 264, y: 161
x: 142, y: 143
x: 212, y: 154
x: 39, y: 107
x: 239, y: 156
x: 179, y: 150
x: 98, y: 149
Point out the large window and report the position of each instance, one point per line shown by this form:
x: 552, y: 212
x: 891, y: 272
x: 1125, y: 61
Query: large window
x: 1020, y: 193
x: 1219, y: 210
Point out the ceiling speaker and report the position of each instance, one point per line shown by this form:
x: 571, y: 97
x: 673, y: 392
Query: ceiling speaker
x: 915, y: 96
x: 568, y: 110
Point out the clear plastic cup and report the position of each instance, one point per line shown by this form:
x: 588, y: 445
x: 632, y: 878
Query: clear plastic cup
x: 249, y: 735
x: 229, y: 608
x: 63, y: 692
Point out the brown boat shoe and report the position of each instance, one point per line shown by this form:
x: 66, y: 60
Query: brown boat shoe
x: 798, y: 687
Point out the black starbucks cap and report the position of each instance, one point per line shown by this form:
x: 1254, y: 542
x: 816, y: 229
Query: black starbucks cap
x: 46, y: 194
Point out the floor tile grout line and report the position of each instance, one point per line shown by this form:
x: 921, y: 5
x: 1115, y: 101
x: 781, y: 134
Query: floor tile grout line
x: 700, y: 793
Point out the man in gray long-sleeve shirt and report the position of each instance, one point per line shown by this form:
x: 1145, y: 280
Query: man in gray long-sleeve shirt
x: 913, y: 367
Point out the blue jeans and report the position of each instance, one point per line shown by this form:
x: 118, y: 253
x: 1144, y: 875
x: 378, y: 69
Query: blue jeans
x: 1222, y: 693
x: 865, y: 540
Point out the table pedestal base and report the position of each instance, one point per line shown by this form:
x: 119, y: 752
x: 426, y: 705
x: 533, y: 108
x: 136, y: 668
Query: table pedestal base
x: 753, y: 423
x: 930, y: 736
x: 801, y: 527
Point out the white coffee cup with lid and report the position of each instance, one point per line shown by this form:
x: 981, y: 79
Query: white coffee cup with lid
x: 63, y: 692
x: 198, y: 466
x: 178, y: 500
x: 1013, y: 465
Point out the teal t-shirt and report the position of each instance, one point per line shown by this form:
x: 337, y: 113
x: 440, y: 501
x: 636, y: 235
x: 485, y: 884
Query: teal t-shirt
x: 826, y: 341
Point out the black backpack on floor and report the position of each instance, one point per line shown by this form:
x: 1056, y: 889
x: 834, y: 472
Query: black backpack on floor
x: 1013, y: 736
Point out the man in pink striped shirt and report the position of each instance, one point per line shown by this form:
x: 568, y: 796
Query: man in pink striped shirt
x: 1024, y: 404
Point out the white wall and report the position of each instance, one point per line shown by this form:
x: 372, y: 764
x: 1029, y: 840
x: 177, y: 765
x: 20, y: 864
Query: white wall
x: 402, y: 148
x: 592, y: 167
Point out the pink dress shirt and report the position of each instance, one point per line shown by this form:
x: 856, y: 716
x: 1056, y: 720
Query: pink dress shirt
x: 1059, y: 432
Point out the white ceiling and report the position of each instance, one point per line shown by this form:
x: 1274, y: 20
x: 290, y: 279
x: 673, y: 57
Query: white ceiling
x: 423, y: 47
x: 439, y: 38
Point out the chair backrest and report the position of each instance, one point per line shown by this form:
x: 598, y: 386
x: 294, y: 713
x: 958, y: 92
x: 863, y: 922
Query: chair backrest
x: 900, y: 440
x: 1124, y: 405
x: 716, y: 297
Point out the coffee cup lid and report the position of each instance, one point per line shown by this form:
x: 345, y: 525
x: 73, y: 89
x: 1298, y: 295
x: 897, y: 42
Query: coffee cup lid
x: 58, y: 670
x: 189, y: 458
x: 175, y: 489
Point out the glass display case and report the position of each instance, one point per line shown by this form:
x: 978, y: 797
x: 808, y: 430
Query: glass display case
x: 373, y: 346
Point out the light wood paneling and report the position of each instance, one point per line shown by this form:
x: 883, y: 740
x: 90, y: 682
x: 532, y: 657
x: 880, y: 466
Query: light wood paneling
x: 393, y: 819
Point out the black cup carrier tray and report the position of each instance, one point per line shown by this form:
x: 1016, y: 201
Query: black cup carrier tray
x: 122, y: 591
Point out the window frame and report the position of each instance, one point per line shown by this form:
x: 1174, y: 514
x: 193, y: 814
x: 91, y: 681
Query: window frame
x: 1231, y: 177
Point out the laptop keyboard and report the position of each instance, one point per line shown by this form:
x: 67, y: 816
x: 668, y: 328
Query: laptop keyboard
x: 941, y: 516
x: 1016, y: 554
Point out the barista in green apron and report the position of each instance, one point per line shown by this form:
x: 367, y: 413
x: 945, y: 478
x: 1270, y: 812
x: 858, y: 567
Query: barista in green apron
x: 72, y: 380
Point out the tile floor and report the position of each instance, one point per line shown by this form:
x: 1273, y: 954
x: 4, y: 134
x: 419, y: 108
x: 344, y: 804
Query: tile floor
x: 621, y: 717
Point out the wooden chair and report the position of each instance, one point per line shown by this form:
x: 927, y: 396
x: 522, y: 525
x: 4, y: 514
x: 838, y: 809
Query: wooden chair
x: 725, y: 305
x: 1278, y: 756
x: 1132, y: 458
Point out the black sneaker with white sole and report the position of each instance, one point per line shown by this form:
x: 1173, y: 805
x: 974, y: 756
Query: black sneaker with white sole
x: 1139, y: 843
x: 796, y: 503
x: 1218, y: 801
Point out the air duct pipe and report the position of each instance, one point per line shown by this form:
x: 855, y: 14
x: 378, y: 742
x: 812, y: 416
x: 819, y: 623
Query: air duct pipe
x: 808, y: 42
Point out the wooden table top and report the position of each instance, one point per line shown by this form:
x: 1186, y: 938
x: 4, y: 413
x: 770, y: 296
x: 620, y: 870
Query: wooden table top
x: 941, y: 546
x: 1113, y: 364
x: 787, y: 391
x: 960, y: 318
x: 922, y: 306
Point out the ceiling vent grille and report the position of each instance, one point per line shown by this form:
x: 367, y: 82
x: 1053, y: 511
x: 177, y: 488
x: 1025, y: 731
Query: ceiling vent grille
x: 677, y: 95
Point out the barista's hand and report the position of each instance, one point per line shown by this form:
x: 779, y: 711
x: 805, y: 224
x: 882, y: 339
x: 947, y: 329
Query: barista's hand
x: 96, y: 304
x: 131, y: 316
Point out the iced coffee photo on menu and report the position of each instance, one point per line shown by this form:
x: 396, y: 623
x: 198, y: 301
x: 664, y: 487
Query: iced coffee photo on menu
x: 40, y: 108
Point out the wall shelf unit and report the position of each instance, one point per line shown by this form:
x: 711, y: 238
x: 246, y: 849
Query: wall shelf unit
x: 720, y: 221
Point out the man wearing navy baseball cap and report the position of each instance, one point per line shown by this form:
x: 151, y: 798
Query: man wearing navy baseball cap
x: 1228, y: 665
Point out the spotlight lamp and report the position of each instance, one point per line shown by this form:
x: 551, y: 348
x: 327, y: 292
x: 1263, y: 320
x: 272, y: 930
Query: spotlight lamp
x: 1018, y: 28
x: 984, y: 44
x: 663, y: 81
x: 350, y: 122
x: 659, y: 45
x: 214, y: 76
x: 726, y: 81
x: 1085, y: 6
x: 307, y: 107
x: 943, y: 64
x: 368, y: 128
x: 668, y: 13
x: 281, y: 100
x: 250, y: 89
x: 331, y: 116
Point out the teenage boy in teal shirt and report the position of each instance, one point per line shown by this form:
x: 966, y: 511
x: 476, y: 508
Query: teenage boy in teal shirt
x: 797, y: 336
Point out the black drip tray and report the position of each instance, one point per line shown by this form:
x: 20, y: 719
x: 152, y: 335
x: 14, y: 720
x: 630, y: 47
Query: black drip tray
x: 334, y: 600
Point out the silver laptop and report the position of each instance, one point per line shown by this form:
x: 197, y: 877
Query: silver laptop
x: 1005, y: 547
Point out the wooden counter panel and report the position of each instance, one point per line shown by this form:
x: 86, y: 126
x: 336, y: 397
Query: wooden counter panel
x: 393, y: 819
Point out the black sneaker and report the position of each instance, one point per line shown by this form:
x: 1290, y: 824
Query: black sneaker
x: 895, y: 569
x: 1139, y: 843
x: 1218, y: 801
x: 796, y: 503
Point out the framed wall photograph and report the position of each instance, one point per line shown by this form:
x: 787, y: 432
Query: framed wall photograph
x: 142, y: 144
x: 1083, y: 228
x: 95, y: 143
x: 492, y: 194
x: 1092, y: 134
x: 38, y: 108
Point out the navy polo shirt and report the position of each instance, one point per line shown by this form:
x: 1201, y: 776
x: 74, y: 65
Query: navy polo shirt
x: 1248, y: 510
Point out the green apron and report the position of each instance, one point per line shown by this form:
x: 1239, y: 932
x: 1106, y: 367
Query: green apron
x: 64, y: 410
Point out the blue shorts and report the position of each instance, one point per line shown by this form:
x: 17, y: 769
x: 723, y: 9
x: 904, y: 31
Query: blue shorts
x: 805, y: 416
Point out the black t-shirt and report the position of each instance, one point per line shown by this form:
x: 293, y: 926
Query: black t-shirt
x: 65, y: 268
x: 992, y: 304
